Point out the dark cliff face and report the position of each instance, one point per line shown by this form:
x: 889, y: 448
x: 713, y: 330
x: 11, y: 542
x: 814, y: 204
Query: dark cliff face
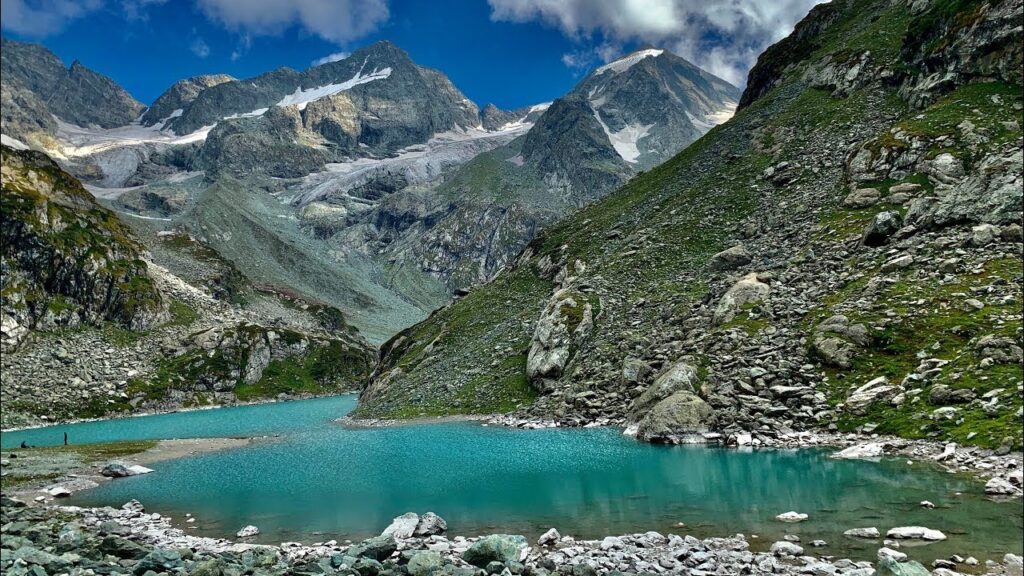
x: 66, y: 260
x: 805, y: 39
x: 36, y: 83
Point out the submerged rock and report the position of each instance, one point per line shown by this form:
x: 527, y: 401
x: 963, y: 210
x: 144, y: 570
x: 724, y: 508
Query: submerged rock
x: 791, y: 517
x: 869, y: 450
x: 248, y: 531
x: 915, y: 533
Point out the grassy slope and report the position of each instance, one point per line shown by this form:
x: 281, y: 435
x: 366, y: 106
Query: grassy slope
x: 650, y: 240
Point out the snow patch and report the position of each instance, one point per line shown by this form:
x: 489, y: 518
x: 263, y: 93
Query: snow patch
x: 523, y: 123
x: 78, y: 141
x: 253, y: 114
x: 625, y: 141
x: 627, y: 62
x: 714, y: 119
x: 302, y: 97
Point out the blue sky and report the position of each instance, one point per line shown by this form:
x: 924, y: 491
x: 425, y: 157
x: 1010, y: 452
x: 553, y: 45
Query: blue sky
x: 510, y: 52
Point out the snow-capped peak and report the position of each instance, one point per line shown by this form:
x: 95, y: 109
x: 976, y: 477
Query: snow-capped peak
x: 302, y: 97
x: 626, y: 62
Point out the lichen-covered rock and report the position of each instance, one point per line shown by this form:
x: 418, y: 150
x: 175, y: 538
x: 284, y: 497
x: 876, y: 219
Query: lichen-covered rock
x: 749, y: 290
x: 495, y: 548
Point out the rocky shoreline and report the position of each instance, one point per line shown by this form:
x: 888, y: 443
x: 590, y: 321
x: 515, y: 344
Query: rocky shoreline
x: 127, y: 539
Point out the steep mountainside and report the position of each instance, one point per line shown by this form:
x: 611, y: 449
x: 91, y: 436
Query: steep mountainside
x: 845, y: 253
x: 66, y: 260
x: 90, y: 326
x: 36, y: 84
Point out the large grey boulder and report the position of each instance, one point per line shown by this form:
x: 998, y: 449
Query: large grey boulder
x: 495, y: 548
x: 748, y: 290
x: 403, y: 526
x: 836, y: 341
x: 993, y: 192
x: 679, y: 377
x: 430, y: 524
x: 862, y: 198
x: 890, y: 567
x: 861, y: 398
x: 679, y: 419
x: 881, y: 228
x: 730, y: 258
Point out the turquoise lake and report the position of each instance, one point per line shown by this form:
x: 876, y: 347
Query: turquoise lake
x: 315, y: 480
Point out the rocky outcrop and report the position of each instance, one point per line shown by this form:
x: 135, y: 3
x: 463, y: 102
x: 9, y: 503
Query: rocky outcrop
x: 66, y: 260
x: 249, y: 360
x: 179, y: 95
x: 565, y: 322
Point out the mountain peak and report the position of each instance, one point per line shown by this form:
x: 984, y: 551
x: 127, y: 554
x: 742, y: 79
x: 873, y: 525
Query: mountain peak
x: 627, y: 61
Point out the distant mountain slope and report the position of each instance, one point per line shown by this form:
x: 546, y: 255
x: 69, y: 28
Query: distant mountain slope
x: 843, y: 254
x: 36, y: 82
x: 624, y: 117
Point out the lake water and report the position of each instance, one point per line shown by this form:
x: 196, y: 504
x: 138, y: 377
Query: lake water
x: 317, y: 480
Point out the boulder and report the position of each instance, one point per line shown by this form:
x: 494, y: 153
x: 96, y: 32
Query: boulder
x: 565, y: 322
x: 747, y: 291
x: 1014, y: 565
x: 377, y: 548
x: 424, y: 563
x: 890, y: 567
x: 681, y: 418
x: 730, y: 259
x: 115, y: 470
x: 430, y: 524
x: 403, y: 526
x: 881, y: 228
x: 861, y: 398
x: 783, y: 548
x: 550, y: 537
x: 836, y: 341
x: 158, y: 561
x: 869, y: 450
x: 862, y: 198
x: 679, y: 377
x: 862, y: 533
x: 941, y: 394
x: 983, y: 235
x: 791, y: 517
x: 999, y: 487
x: 495, y: 548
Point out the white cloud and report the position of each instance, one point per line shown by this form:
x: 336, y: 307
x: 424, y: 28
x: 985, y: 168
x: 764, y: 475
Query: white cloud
x: 722, y: 36
x: 329, y: 58
x: 337, y: 21
x: 199, y: 47
x: 43, y: 17
x: 136, y: 9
